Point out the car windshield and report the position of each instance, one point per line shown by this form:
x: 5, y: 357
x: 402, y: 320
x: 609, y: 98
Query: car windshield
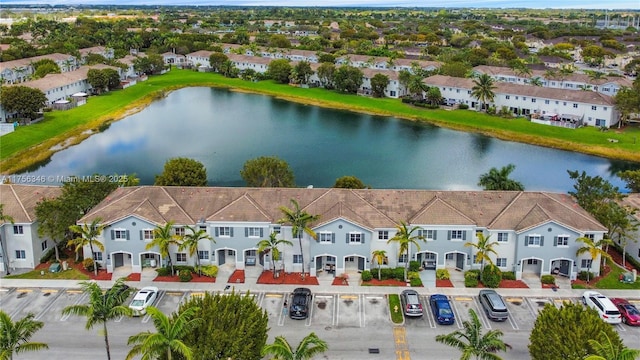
x: 445, y: 312
x: 631, y: 310
x: 137, y: 302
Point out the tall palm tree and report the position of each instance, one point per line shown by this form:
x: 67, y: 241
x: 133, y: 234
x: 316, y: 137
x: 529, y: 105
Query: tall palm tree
x: 163, y: 238
x: 594, y: 249
x: 191, y: 240
x: 405, y: 237
x: 416, y: 86
x: 606, y: 350
x: 14, y: 336
x: 167, y: 341
x: 101, y: 307
x: 5, y: 255
x: 472, y: 342
x: 299, y: 221
x: 308, y: 347
x: 87, y: 236
x: 483, y: 247
x: 270, y: 245
x: 483, y: 89
x: 499, y: 179
x: 378, y: 256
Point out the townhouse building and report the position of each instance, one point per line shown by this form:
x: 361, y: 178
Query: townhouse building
x: 107, y: 53
x: 20, y: 245
x: 633, y: 240
x: 21, y: 70
x: 574, y: 107
x: 536, y: 231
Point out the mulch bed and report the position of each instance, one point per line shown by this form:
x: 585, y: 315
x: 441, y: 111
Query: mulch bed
x: 340, y: 281
x: 387, y: 282
x: 194, y: 279
x: 507, y: 284
x: 444, y: 283
x: 617, y: 258
x: 237, y: 277
x: 286, y: 278
x: 134, y: 277
x: 550, y: 286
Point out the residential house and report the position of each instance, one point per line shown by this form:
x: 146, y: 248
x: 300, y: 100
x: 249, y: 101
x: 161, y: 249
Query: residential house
x: 107, y: 53
x: 633, y: 241
x: 21, y: 70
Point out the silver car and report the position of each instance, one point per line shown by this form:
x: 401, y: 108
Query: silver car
x: 143, y: 299
x: 411, y: 303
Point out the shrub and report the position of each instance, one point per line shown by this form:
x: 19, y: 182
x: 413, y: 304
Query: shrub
x: 87, y: 264
x: 548, y: 279
x: 209, y: 270
x: 463, y: 106
x: 471, y: 278
x: 491, y: 276
x: 442, y: 274
x: 509, y: 275
x: 584, y: 275
x: 184, y: 275
x: 387, y: 273
x: 413, y: 275
x: 398, y: 273
x: 414, y: 265
x: 491, y: 110
x: 366, y: 275
x: 416, y: 282
x: 178, y: 268
x: 164, y: 271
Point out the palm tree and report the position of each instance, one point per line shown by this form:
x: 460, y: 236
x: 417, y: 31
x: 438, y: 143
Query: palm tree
x: 101, y: 307
x: 594, y: 248
x: 299, y: 221
x: 163, y: 238
x: 191, y: 240
x: 88, y: 235
x: 417, y: 87
x: 535, y: 81
x: 309, y: 347
x: 483, y: 89
x: 5, y: 257
x: 499, y: 179
x: 270, y: 245
x: 379, y: 256
x: 405, y: 237
x: 167, y: 341
x: 483, y: 247
x: 14, y: 337
x: 606, y: 350
x: 471, y: 342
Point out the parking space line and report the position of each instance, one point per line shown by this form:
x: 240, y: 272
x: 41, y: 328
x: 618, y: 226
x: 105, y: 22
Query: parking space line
x: 457, y: 314
x: 426, y: 306
x: 259, y: 297
x: 307, y: 321
x: 621, y: 327
x: 532, y: 311
x: 403, y: 355
x: 77, y: 302
x: 334, y: 318
x: 146, y: 317
x: 337, y: 309
x: 482, y: 315
x: 283, y: 315
x: 46, y: 308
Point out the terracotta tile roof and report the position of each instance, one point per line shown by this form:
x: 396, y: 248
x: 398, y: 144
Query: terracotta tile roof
x: 20, y: 200
x: 51, y: 81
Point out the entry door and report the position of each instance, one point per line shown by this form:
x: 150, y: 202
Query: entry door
x: 221, y: 259
x: 460, y: 261
x: 564, y: 267
x: 318, y: 262
x: 118, y: 260
x: 361, y: 263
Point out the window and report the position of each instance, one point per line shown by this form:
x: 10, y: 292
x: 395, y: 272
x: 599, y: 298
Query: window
x: 508, y: 97
x: 297, y: 259
x: 402, y: 258
x: 354, y: 238
x: 20, y: 254
x: 590, y: 236
x: 427, y: 234
x: 120, y: 234
x: 178, y: 231
x: 503, y: 237
x: 276, y: 229
x: 575, y: 106
x: 546, y: 102
x: 18, y: 229
x: 181, y: 257
x: 524, y: 98
x: 457, y: 235
x: 383, y: 235
x: 224, y: 231
x: 44, y: 245
x: 605, y: 108
x: 532, y: 261
x: 147, y: 235
x: 533, y: 100
x: 253, y: 232
x: 501, y: 262
x: 326, y: 237
x: 475, y: 258
x: 562, y: 240
x: 203, y: 255
x: 594, y: 107
x: 533, y: 240
x: 564, y: 103
x: 97, y: 256
x: 585, y: 263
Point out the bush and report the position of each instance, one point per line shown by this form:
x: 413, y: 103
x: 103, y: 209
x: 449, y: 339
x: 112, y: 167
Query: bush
x: 491, y: 110
x: 491, y: 276
x: 509, y: 275
x: 414, y: 265
x: 164, y: 271
x: 366, y: 275
x: 87, y: 264
x: 463, y: 106
x: 584, y: 275
x: 416, y: 282
x: 407, y: 100
x: 471, y: 278
x: 412, y: 275
x: 398, y: 273
x: 442, y: 274
x: 548, y: 279
x: 48, y: 255
x: 208, y: 270
x: 178, y: 268
x: 386, y: 273
x: 184, y: 275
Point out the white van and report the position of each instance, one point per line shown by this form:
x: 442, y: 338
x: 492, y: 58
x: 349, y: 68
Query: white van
x: 605, y: 307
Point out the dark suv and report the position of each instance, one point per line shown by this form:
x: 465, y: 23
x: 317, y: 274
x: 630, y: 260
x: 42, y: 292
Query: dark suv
x: 300, y: 302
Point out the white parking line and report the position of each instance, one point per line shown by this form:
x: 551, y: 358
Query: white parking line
x: 481, y: 314
x: 531, y: 308
x: 456, y: 313
x: 426, y: 306
x: 334, y: 317
x: 146, y: 317
x: 307, y: 321
x: 46, y: 308
x: 282, y: 315
x: 361, y: 313
x: 77, y: 302
x: 621, y: 327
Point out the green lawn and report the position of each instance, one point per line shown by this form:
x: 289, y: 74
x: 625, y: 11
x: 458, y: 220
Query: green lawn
x: 30, y: 145
x: 395, y: 308
x: 70, y: 274
x: 611, y: 281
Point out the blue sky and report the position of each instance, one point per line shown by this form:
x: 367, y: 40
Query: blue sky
x: 565, y: 4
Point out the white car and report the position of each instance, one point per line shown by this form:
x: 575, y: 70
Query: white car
x: 605, y: 307
x: 143, y: 299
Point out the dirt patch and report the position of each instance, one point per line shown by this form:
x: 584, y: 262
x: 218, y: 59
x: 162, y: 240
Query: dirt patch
x: 286, y: 278
x: 194, y: 278
x: 617, y: 258
x: 387, y: 282
x: 444, y: 283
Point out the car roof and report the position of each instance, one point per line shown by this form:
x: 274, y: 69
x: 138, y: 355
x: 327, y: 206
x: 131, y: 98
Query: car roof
x: 591, y: 293
x: 439, y: 297
x: 304, y: 291
x: 149, y: 288
x: 410, y: 292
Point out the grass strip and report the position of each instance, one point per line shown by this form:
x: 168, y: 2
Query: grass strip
x: 395, y: 309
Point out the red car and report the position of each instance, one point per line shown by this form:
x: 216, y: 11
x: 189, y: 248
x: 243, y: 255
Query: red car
x: 630, y: 314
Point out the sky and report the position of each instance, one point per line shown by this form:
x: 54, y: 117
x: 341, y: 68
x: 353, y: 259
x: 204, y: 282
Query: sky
x: 559, y: 4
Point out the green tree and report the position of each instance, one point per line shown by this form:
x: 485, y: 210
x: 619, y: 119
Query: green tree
x: 484, y: 247
x: 279, y: 41
x: 5, y: 257
x: 167, y: 342
x: 112, y: 78
x: 233, y: 326
x: 310, y: 346
x: 280, y: 70
x: 455, y: 69
x: 87, y: 236
x: 348, y: 79
x: 14, y: 336
x: 471, y: 342
x: 379, y: 83
x: 22, y: 100
x: 164, y: 238
x: 378, y: 256
x: 101, y: 308
x: 302, y: 71
x: 483, y: 89
x: 564, y: 333
x: 216, y: 60
x: 270, y: 245
x: 405, y: 237
x: 54, y: 217
x: 44, y: 67
x: 434, y: 97
x: 627, y: 101
x: 82, y: 194
x: 150, y: 64
x: 499, y: 179
x: 97, y: 79
x: 191, y: 240
x: 605, y: 349
x: 182, y: 172
x: 593, y: 248
x: 349, y: 182
x: 594, y: 194
x: 267, y: 171
x: 299, y: 221
x: 326, y: 72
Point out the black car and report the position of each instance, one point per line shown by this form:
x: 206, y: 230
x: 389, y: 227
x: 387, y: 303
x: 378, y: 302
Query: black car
x: 300, y: 302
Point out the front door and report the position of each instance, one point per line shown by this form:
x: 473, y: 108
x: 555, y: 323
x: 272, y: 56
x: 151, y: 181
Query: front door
x: 221, y: 258
x: 565, y: 265
x: 361, y: 263
x: 118, y: 260
x: 460, y: 261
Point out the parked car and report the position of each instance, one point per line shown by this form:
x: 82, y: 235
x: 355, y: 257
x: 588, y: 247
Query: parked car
x: 493, y: 305
x: 121, y: 292
x: 603, y: 305
x: 411, y: 303
x: 441, y: 308
x: 630, y: 314
x: 143, y: 299
x: 300, y: 303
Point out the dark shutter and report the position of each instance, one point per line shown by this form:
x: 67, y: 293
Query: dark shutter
x: 555, y: 241
x: 541, y: 240
x: 526, y: 241
x: 448, y: 234
x: 113, y: 234
x: 127, y: 234
x: 141, y: 235
x: 216, y: 231
x: 231, y: 232
x: 363, y: 238
x: 464, y: 235
x: 435, y: 234
x: 261, y: 232
x: 333, y: 238
x: 246, y: 232
x: 347, y: 237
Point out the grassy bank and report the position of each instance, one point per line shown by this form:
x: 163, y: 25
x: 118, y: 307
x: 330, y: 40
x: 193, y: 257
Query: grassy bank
x: 33, y: 144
